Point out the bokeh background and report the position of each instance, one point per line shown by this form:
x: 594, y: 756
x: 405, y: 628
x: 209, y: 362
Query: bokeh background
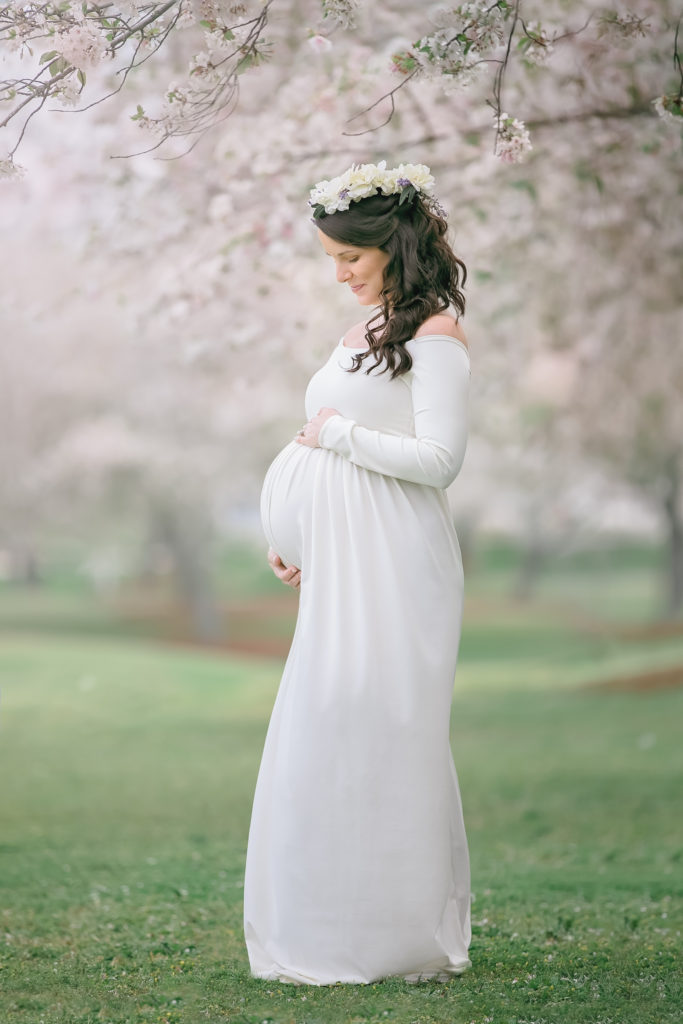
x: 160, y: 320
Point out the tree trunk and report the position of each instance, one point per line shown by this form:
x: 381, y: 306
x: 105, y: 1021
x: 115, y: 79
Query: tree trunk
x: 674, y: 596
x: 23, y: 563
x: 533, y: 556
x: 189, y: 549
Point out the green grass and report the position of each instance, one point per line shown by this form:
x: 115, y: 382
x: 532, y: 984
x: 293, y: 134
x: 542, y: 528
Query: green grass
x: 618, y: 583
x: 127, y: 777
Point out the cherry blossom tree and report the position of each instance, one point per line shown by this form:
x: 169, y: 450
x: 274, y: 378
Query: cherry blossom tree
x: 217, y: 304
x: 454, y: 46
x: 600, y: 277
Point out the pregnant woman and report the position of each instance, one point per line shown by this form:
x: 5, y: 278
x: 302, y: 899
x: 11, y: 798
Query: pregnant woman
x: 357, y: 862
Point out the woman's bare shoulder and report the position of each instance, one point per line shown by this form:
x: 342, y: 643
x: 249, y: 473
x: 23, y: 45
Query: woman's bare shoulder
x: 356, y: 334
x: 442, y: 323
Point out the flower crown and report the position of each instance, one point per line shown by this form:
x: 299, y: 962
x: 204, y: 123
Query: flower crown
x: 363, y: 180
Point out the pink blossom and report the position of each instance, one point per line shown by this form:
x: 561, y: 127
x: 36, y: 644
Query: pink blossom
x: 10, y: 170
x: 321, y: 44
x: 83, y: 46
x: 513, y: 142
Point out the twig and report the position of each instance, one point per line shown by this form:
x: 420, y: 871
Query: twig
x: 500, y: 73
x: 387, y: 96
x: 677, y: 61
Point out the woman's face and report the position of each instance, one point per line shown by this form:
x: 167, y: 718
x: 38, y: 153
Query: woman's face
x: 361, y: 269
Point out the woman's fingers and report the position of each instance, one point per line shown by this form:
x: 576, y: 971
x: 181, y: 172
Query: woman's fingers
x: 276, y: 563
x: 295, y: 580
x: 289, y: 574
x: 292, y: 577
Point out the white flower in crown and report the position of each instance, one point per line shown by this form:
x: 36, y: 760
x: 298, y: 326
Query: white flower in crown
x: 417, y: 175
x: 363, y: 180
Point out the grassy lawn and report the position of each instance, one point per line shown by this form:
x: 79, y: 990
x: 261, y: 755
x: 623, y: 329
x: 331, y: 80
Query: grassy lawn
x: 593, y: 616
x: 128, y: 771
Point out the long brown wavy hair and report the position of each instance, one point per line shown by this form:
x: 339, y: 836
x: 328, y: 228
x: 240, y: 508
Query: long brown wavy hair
x: 423, y: 275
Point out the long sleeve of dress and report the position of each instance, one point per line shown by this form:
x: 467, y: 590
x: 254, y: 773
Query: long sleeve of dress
x: 440, y: 396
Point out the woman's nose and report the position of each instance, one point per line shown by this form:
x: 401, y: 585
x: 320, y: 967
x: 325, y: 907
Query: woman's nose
x: 343, y: 274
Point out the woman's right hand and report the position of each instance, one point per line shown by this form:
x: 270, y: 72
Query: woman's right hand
x: 288, y: 574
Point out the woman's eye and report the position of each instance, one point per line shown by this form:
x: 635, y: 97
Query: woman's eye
x: 354, y: 259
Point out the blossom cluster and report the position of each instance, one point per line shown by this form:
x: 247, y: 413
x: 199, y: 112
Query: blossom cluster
x: 20, y: 23
x: 453, y: 65
x: 341, y: 11
x: 128, y: 9
x: 537, y: 46
x: 670, y: 108
x: 621, y: 28
x: 82, y: 46
x: 68, y: 91
x: 228, y: 19
x: 182, y: 99
x: 453, y: 53
x: 479, y: 20
x: 78, y: 27
x: 459, y: 49
x: 363, y: 180
x: 8, y: 169
x: 513, y: 142
x: 227, y: 11
x: 209, y: 87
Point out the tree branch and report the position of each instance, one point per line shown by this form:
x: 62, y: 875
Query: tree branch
x: 387, y: 96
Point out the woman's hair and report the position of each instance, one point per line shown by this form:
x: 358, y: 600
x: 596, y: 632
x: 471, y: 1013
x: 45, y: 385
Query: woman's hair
x: 422, y: 277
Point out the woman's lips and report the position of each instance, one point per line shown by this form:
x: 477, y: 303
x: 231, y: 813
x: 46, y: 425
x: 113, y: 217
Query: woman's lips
x: 357, y: 287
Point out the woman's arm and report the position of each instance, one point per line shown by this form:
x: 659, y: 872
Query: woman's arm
x: 440, y: 393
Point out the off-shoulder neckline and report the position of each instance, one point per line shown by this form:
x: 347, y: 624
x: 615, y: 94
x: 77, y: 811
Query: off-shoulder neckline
x: 448, y: 337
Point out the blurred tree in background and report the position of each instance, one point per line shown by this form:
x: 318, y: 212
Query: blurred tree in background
x: 163, y: 311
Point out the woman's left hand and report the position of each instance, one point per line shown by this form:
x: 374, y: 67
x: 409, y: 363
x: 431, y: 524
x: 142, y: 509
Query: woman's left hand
x: 312, y: 428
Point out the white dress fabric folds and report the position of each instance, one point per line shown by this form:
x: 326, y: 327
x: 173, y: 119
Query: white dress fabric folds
x: 357, y: 861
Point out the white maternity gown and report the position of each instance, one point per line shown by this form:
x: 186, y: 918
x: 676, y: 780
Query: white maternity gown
x: 357, y: 861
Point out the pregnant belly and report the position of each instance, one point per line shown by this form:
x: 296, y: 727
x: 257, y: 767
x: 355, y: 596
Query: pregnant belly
x: 287, y: 499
